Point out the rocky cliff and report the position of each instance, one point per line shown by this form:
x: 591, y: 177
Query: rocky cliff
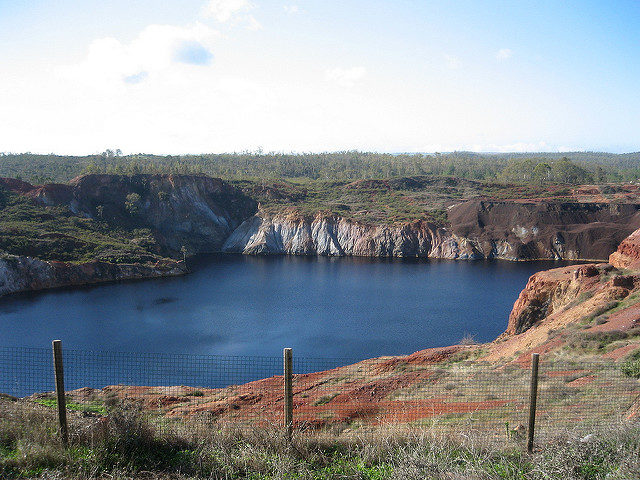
x: 553, y: 230
x: 205, y: 214
x: 18, y: 274
x: 478, y: 229
x: 194, y: 211
x: 628, y: 253
x: 552, y: 291
x: 334, y: 235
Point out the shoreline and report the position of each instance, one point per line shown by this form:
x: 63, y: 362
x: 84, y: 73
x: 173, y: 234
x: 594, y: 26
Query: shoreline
x: 196, y: 261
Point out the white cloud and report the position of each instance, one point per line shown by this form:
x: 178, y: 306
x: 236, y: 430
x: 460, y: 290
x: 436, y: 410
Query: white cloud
x: 504, y: 54
x: 453, y: 63
x: 345, y: 77
x: 232, y: 12
x: 158, y: 48
x: 154, y: 93
x: 225, y: 10
x: 291, y: 9
x: 251, y: 23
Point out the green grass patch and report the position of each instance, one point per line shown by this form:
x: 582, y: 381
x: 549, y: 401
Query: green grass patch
x: 92, y: 406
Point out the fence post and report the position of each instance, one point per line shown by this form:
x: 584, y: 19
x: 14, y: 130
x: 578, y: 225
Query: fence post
x: 59, y: 377
x: 533, y: 398
x: 288, y: 393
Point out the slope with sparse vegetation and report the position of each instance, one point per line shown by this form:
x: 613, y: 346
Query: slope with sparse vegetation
x: 123, y: 445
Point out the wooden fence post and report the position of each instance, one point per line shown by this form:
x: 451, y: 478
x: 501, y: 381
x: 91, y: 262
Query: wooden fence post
x: 288, y: 393
x: 59, y: 377
x: 533, y: 398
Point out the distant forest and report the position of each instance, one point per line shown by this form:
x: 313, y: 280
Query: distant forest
x: 537, y: 168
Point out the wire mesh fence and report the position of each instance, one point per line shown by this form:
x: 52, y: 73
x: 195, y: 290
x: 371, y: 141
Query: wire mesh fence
x: 340, y: 396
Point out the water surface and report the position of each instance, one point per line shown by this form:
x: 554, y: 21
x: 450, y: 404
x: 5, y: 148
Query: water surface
x: 243, y: 305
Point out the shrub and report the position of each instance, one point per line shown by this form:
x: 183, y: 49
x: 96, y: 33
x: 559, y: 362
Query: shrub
x: 468, y: 339
x: 631, y: 368
x: 132, y: 204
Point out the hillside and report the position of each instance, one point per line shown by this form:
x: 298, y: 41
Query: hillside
x: 103, y: 227
x: 141, y: 225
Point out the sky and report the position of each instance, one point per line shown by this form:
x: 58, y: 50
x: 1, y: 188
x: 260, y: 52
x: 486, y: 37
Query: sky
x: 211, y: 76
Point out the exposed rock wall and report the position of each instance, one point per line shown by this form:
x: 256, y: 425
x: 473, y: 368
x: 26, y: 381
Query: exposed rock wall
x: 545, y: 230
x: 479, y: 229
x: 333, y: 235
x: 545, y: 293
x: 207, y: 215
x: 197, y: 212
x: 628, y: 253
x: 18, y: 274
x: 194, y: 211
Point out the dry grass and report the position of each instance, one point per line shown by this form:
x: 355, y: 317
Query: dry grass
x: 123, y: 445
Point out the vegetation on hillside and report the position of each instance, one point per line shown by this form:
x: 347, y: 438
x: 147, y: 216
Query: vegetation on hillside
x: 394, y: 200
x: 123, y: 445
x: 30, y: 228
x: 574, y: 167
x: 56, y: 233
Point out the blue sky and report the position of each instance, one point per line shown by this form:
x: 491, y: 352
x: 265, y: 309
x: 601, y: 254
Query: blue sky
x: 306, y: 75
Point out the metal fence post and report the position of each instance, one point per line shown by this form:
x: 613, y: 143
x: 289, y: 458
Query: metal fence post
x: 59, y: 378
x: 533, y: 398
x: 288, y: 393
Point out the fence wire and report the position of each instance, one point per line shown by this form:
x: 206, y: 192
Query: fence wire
x: 197, y: 393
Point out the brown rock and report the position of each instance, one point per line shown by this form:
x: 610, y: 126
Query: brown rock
x: 628, y: 253
x: 588, y: 271
x: 625, y: 281
x: 544, y: 293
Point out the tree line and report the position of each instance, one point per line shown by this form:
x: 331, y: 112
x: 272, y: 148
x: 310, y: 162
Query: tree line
x: 539, y: 168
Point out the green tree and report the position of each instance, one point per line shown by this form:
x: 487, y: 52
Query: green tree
x: 132, y: 204
x: 542, y: 173
x: 565, y: 171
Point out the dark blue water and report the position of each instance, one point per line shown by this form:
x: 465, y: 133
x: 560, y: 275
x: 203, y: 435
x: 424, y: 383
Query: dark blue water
x: 240, y: 305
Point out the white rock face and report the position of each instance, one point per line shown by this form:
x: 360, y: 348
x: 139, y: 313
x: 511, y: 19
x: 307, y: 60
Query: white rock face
x: 336, y: 236
x: 19, y: 274
x: 15, y: 273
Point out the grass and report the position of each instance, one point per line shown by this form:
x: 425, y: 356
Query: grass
x: 391, y: 200
x: 123, y: 445
x: 93, y: 407
x: 631, y: 366
x: 56, y: 233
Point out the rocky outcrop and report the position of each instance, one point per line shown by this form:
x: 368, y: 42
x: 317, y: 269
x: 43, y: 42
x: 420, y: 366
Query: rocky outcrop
x: 18, y: 274
x: 478, y: 229
x: 544, y: 230
x: 334, y: 235
x: 194, y: 211
x: 584, y: 289
x: 544, y: 293
x: 628, y: 253
x: 206, y: 214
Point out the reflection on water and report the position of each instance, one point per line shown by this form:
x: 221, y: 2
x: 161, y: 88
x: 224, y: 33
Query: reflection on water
x: 241, y: 305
